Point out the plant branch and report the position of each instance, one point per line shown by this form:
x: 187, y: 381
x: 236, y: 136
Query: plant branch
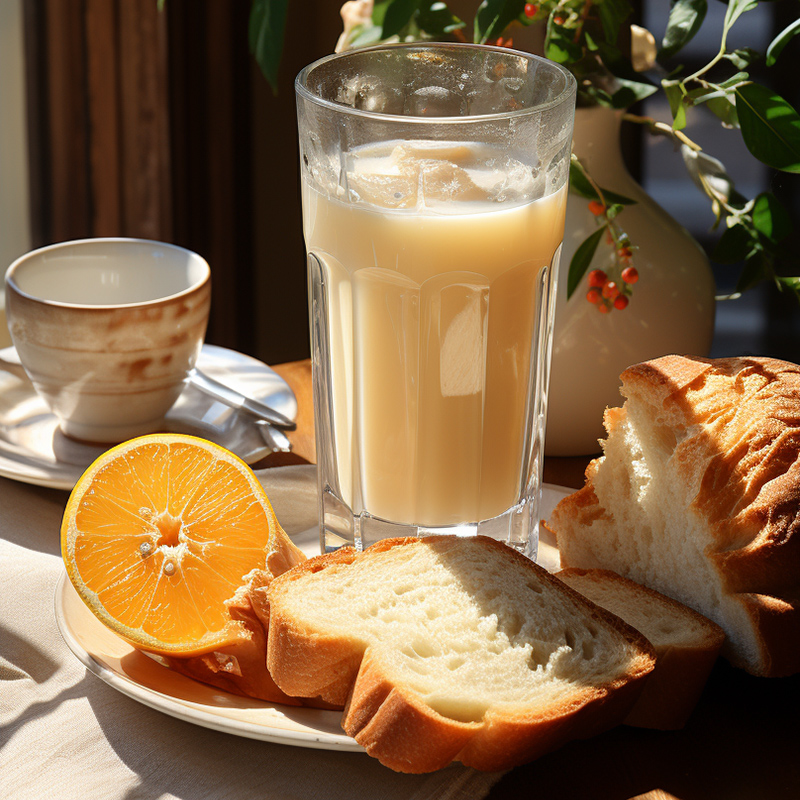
x: 714, y: 61
x: 663, y: 129
x: 587, y: 7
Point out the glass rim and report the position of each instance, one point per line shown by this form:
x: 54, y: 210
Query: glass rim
x: 302, y: 90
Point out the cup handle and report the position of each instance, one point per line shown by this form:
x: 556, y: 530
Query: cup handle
x: 9, y: 362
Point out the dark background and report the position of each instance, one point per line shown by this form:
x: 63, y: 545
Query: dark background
x: 158, y: 124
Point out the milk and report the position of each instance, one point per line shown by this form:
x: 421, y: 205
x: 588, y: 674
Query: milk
x: 432, y: 257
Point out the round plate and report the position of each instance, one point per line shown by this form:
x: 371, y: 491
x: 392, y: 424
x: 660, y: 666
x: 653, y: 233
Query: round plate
x: 142, y: 678
x: 149, y: 682
x: 33, y: 449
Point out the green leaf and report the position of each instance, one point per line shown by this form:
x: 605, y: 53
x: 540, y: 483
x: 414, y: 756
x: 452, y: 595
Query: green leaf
x: 743, y: 57
x: 781, y: 40
x: 791, y: 283
x: 735, y: 10
x: 675, y: 95
x: 685, y: 19
x: 770, y: 127
x: 591, y: 44
x: 722, y: 101
x: 613, y: 14
x: 630, y: 92
x: 734, y: 245
x: 398, y: 14
x: 708, y: 174
x: 724, y: 109
x: 559, y: 45
x: 379, y: 10
x: 436, y: 19
x: 630, y: 85
x: 770, y: 218
x: 734, y: 80
x: 365, y: 35
x: 581, y: 260
x: 753, y: 272
x: 617, y: 199
x: 581, y: 185
x: 265, y: 32
x: 494, y: 16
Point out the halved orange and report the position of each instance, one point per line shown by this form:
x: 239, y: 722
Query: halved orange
x: 160, y: 534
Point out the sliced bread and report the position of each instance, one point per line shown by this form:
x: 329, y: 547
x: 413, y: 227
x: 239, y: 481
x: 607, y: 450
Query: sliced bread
x: 686, y: 644
x: 448, y: 648
x: 697, y: 495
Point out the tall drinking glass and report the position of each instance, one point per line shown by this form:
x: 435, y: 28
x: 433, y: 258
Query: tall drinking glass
x: 434, y: 186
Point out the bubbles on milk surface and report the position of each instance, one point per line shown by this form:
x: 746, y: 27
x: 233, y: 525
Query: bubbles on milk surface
x: 438, y: 176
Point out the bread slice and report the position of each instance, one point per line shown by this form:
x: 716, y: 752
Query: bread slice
x: 450, y: 648
x: 686, y: 644
x: 697, y: 495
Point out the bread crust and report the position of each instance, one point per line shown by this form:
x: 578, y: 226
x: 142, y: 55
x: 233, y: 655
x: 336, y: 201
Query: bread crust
x: 394, y: 724
x: 736, y: 428
x: 675, y: 685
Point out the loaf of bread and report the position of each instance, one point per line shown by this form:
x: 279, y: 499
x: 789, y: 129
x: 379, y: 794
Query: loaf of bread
x: 686, y: 644
x: 697, y: 496
x: 448, y: 648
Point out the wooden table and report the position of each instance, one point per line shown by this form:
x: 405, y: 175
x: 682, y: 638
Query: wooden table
x: 741, y: 743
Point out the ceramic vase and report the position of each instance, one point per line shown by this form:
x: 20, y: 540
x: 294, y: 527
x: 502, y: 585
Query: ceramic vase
x: 671, y: 309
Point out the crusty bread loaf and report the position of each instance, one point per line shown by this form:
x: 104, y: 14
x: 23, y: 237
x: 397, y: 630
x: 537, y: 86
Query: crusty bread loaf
x: 450, y: 648
x: 698, y: 496
x: 242, y: 668
x: 686, y: 644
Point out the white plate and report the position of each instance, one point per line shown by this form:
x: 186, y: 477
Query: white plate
x: 33, y: 449
x: 142, y: 678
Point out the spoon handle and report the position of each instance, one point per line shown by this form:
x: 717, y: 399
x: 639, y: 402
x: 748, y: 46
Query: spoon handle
x: 225, y: 394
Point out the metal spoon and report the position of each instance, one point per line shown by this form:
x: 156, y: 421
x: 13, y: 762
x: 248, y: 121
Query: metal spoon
x: 229, y: 396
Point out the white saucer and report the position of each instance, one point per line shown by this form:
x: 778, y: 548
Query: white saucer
x: 33, y: 449
x: 144, y: 679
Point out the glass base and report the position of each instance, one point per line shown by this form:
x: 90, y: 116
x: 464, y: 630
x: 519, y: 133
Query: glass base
x: 518, y: 527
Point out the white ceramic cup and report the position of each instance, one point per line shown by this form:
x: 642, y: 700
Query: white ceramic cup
x: 108, y: 330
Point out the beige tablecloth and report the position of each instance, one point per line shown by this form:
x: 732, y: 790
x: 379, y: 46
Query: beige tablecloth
x: 65, y: 734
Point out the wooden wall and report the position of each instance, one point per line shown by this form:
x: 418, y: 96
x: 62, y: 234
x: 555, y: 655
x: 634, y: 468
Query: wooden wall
x: 158, y: 124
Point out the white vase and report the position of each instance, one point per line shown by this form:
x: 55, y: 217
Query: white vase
x: 671, y: 309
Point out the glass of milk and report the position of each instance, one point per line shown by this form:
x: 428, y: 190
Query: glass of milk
x: 434, y: 186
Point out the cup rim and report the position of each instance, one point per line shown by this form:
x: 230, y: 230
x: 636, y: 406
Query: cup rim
x: 302, y: 90
x: 16, y: 264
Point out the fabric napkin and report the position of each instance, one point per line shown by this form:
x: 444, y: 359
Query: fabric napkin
x: 65, y: 734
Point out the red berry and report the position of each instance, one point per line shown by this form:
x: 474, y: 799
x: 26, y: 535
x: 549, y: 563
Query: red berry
x: 597, y: 277
x: 610, y: 290
x: 621, y: 302
x: 593, y: 295
x: 530, y: 10
x: 597, y: 208
x: 630, y: 275
x: 624, y: 252
x: 558, y: 20
x: 603, y: 308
